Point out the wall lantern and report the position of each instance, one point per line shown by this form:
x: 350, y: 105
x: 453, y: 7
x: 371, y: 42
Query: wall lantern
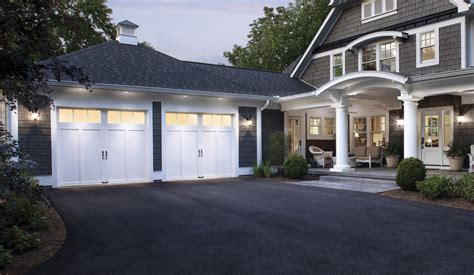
x: 400, y: 123
x: 461, y: 119
x: 35, y: 115
x: 248, y: 122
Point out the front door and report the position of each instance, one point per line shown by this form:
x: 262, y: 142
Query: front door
x: 294, y: 135
x: 436, y: 133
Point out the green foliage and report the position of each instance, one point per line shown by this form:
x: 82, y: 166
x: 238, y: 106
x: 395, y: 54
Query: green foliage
x: 19, y: 240
x: 20, y: 211
x: 409, y: 172
x: 6, y: 257
x: 435, y: 187
x: 456, y: 150
x: 392, y: 149
x: 280, y: 36
x: 146, y: 45
x: 466, y: 187
x: 296, y: 167
x: 275, y: 148
x: 37, y: 30
x: 262, y: 171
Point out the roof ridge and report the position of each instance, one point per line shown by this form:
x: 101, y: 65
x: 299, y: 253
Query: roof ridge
x: 87, y: 49
x: 234, y: 67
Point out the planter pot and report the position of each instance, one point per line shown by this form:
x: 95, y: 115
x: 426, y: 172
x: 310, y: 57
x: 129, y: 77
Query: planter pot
x: 392, y: 161
x: 456, y: 163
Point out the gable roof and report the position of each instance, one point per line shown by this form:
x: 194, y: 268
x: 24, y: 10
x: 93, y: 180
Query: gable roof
x: 270, y: 83
x: 131, y: 65
x: 128, y: 23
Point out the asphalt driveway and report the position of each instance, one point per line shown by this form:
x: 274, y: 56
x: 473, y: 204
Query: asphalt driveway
x: 245, y: 226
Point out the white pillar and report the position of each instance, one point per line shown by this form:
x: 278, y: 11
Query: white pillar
x: 342, y: 134
x: 410, y: 131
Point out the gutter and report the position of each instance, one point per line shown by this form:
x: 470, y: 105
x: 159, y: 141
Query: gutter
x: 266, y: 105
x: 438, y: 76
x: 170, y: 91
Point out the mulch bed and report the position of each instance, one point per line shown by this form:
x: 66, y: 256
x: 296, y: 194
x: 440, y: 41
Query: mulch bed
x: 415, y: 196
x: 52, y: 240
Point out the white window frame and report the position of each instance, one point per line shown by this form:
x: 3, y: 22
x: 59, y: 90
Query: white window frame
x: 419, y: 62
x: 321, y: 119
x: 322, y: 125
x: 331, y: 65
x: 374, y: 16
x: 378, y: 55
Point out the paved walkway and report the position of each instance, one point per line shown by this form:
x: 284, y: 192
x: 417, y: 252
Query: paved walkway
x: 247, y: 226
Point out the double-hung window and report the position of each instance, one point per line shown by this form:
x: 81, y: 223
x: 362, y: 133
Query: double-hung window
x: 369, y: 58
x: 388, y: 57
x: 375, y: 8
x: 329, y: 127
x: 337, y: 65
x: 427, y: 48
x: 315, y: 126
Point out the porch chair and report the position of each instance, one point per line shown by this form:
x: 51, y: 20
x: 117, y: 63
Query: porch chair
x: 321, y: 157
x: 371, y: 154
x: 471, y: 160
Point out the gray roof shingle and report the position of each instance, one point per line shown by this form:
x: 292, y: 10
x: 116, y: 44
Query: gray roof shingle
x: 132, y: 65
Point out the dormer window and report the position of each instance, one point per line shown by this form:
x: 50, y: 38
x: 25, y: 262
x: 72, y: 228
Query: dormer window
x: 372, y: 9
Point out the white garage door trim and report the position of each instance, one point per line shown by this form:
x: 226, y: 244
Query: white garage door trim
x: 97, y: 146
x: 198, y: 146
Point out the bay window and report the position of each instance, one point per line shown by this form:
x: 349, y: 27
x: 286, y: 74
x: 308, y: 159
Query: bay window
x: 388, y: 57
x: 369, y: 58
x: 379, y: 57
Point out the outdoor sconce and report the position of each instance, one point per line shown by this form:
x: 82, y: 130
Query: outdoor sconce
x: 248, y: 122
x: 400, y: 123
x: 35, y: 115
x: 461, y: 119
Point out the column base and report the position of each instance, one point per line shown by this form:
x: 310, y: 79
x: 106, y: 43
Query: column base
x: 341, y: 169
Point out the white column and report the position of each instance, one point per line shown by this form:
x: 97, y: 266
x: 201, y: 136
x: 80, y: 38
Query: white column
x: 342, y: 134
x: 410, y: 131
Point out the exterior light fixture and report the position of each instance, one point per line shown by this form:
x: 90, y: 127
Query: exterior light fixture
x: 126, y: 92
x: 400, y: 122
x: 220, y: 98
x: 248, y: 122
x: 35, y: 115
x: 184, y: 96
x: 461, y: 119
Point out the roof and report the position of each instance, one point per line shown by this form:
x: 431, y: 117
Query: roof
x: 131, y: 65
x: 270, y: 83
x: 127, y: 23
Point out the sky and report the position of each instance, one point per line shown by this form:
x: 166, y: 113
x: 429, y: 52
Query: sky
x: 195, y: 30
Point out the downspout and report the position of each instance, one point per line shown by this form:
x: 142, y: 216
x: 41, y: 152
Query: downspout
x: 265, y: 105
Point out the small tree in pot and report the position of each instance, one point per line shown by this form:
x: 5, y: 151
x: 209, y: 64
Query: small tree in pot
x: 392, y: 152
x: 456, y: 155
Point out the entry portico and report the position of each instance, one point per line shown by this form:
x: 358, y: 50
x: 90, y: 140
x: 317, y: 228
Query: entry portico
x: 375, y: 95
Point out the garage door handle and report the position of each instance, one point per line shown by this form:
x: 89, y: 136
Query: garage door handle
x: 102, y: 154
x: 201, y: 153
x: 105, y: 154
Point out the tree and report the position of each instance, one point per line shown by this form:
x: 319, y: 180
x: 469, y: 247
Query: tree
x: 280, y: 36
x: 35, y: 30
x: 146, y: 45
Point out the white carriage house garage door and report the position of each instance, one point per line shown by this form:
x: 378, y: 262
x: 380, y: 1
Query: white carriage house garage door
x: 101, y: 146
x: 198, y: 146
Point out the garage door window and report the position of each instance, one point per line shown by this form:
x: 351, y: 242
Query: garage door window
x: 182, y: 119
x: 217, y: 120
x: 79, y: 116
x: 126, y: 117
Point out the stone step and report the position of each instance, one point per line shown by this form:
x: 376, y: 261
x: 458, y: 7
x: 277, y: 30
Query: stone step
x: 358, y: 180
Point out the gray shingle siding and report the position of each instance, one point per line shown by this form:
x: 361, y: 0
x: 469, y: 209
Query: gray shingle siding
x: 35, y: 139
x: 272, y: 122
x: 350, y: 24
x: 449, y: 53
x: 318, y: 72
x: 247, y: 137
x: 352, y: 62
x: 157, y: 135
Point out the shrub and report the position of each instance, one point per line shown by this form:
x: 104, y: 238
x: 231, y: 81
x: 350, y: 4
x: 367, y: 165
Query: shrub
x: 275, y: 148
x: 6, y: 257
x: 18, y: 210
x: 296, y: 167
x: 409, y: 172
x: 19, y: 240
x: 466, y: 187
x: 262, y: 171
x: 435, y: 187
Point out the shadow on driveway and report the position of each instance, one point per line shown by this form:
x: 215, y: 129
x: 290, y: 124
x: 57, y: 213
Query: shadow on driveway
x: 247, y: 226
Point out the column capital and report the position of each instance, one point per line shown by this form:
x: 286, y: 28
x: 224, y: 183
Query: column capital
x: 409, y: 98
x: 342, y: 104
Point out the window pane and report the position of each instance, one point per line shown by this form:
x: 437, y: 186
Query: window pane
x: 192, y: 119
x: 315, y: 121
x: 207, y: 120
x: 182, y: 119
x: 360, y: 124
x: 65, y: 115
x: 314, y: 130
x: 126, y: 117
x: 428, y: 54
x: 113, y: 117
x: 378, y: 7
x: 372, y: 66
x: 388, y: 50
x: 138, y: 118
x: 329, y: 126
x: 80, y: 115
x: 389, y: 5
x: 337, y: 71
x: 447, y: 128
x: 217, y: 120
x: 337, y: 59
x: 389, y: 65
x: 367, y: 10
x: 93, y: 116
x: 369, y: 54
x: 226, y: 120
